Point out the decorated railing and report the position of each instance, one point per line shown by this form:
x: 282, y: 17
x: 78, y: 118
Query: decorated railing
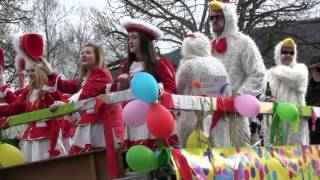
x: 282, y: 162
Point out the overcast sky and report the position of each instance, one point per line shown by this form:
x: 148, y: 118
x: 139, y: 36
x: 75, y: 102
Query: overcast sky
x: 83, y: 3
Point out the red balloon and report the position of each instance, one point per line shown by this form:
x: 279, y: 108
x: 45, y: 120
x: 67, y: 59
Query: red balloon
x: 160, y: 121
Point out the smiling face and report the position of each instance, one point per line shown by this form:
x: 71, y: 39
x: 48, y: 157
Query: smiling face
x: 134, y: 42
x: 287, y: 54
x: 87, y: 57
x: 37, y: 77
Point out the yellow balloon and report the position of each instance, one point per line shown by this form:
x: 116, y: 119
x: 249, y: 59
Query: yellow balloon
x: 10, y: 155
x: 197, y: 139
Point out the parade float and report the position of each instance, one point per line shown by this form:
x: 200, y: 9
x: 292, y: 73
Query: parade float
x: 200, y: 161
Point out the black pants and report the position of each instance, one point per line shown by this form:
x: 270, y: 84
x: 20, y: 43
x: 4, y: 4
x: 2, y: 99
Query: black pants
x: 314, y: 135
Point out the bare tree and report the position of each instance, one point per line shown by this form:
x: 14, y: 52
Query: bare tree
x: 177, y: 17
x: 48, y: 18
x: 75, y: 37
x: 12, y: 12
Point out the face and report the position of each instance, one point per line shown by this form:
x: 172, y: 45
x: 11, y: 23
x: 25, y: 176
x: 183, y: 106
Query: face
x: 134, y: 42
x: 217, y: 21
x: 31, y: 73
x: 315, y: 73
x: 287, y: 54
x: 87, y: 57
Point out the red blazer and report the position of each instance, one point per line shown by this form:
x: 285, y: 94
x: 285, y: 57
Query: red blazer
x: 164, y: 74
x: 95, y: 85
x: 17, y: 104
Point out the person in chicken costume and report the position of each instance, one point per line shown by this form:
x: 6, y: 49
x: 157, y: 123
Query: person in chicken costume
x: 41, y: 139
x: 288, y: 82
x: 197, y: 63
x: 242, y: 59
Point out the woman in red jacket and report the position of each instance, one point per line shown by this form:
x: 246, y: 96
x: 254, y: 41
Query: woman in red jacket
x: 40, y: 139
x: 143, y: 57
x: 92, y: 82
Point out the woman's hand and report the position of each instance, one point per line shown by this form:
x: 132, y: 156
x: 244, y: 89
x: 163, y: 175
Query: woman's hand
x: 46, y: 66
x: 123, y: 82
x: 56, y: 105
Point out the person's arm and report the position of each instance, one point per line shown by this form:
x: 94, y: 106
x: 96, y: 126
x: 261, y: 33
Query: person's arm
x: 165, y: 71
x: 95, y: 84
x: 16, y: 107
x: 295, y: 77
x: 253, y: 67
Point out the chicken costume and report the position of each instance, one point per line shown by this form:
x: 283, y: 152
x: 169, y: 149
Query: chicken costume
x: 243, y: 62
x: 288, y: 83
x: 197, y: 64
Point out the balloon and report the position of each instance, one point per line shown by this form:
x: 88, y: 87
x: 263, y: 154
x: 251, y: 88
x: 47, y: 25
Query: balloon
x: 197, y: 139
x: 247, y: 105
x: 287, y: 112
x: 160, y: 121
x: 135, y: 113
x: 144, y: 87
x: 141, y: 159
x: 10, y: 155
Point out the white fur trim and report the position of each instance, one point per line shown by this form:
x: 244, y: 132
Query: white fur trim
x: 157, y: 32
x: 52, y: 89
x: 4, y: 93
x: 17, y: 47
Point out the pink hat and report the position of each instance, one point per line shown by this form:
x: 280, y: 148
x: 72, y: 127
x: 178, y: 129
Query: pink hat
x: 138, y: 25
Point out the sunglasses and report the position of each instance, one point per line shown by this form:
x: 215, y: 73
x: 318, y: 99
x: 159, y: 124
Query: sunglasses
x: 217, y: 17
x: 287, y: 52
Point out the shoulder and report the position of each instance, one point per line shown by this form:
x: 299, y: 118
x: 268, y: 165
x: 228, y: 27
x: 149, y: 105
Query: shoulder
x: 301, y: 67
x: 162, y: 62
x: 99, y: 71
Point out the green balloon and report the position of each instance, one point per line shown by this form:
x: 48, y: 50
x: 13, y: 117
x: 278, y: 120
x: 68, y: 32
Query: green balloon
x: 287, y: 112
x: 141, y: 159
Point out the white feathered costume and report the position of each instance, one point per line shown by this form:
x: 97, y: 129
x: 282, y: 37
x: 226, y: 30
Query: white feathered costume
x: 198, y: 63
x: 288, y: 84
x: 245, y: 68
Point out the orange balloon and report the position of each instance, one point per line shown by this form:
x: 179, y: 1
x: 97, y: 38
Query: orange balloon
x: 160, y: 121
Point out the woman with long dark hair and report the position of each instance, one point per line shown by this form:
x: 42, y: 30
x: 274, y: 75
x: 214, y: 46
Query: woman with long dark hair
x: 143, y: 57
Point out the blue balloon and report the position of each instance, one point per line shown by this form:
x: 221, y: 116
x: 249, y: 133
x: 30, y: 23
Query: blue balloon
x: 145, y: 87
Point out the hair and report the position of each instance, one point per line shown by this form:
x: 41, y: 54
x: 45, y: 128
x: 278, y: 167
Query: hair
x: 41, y: 79
x: 100, y: 57
x: 148, y: 53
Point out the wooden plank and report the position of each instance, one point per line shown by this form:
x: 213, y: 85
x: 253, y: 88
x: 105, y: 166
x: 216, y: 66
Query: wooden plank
x: 79, y: 167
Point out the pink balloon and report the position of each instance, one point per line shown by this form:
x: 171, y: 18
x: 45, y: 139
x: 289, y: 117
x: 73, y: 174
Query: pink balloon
x: 247, y: 105
x: 135, y: 113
